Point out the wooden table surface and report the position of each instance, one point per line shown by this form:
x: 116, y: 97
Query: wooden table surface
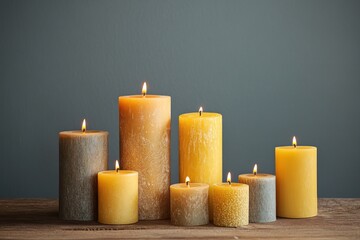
x: 38, y: 219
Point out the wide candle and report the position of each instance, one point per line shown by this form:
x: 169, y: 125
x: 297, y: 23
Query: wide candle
x: 118, y: 196
x: 262, y: 196
x: 189, y: 203
x: 144, y: 127
x: 296, y: 181
x: 82, y: 154
x: 200, y: 148
x: 231, y: 204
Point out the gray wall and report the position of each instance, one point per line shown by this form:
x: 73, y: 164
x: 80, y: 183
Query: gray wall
x: 274, y: 69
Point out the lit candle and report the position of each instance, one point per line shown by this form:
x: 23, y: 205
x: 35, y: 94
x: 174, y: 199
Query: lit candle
x: 118, y: 196
x: 231, y: 204
x: 296, y: 181
x: 82, y: 154
x: 262, y: 196
x: 144, y: 127
x: 200, y: 148
x: 189, y: 203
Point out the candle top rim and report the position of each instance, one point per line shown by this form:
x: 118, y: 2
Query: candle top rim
x: 258, y: 175
x: 81, y: 133
x: 233, y: 184
x: 297, y: 147
x: 120, y: 172
x: 147, y: 96
x: 203, y: 115
x: 192, y: 185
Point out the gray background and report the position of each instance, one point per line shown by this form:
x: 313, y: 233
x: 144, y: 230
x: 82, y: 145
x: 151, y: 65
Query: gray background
x: 274, y: 69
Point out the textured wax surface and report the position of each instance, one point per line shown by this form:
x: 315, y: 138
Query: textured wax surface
x: 145, y: 147
x: 231, y: 205
x: 81, y: 157
x: 262, y: 197
x: 200, y: 149
x: 189, y: 205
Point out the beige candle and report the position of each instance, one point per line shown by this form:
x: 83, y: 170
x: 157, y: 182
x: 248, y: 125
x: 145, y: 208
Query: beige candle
x: 231, y: 204
x: 144, y: 127
x: 82, y: 154
x: 189, y: 203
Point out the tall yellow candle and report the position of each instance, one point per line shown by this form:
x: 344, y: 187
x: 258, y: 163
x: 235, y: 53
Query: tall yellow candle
x: 118, y: 196
x: 144, y: 126
x: 200, y: 148
x: 231, y: 204
x: 296, y: 181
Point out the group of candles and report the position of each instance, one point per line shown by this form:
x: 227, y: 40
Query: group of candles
x: 141, y: 189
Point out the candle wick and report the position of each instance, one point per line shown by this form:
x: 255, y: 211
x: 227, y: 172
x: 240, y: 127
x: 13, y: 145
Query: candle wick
x: 188, y: 184
x: 144, y: 94
x: 294, y: 145
x: 255, y: 173
x: 118, y: 169
x: 229, y: 182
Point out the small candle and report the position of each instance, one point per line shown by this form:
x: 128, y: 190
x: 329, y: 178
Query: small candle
x: 118, y: 196
x: 231, y: 204
x: 189, y: 203
x: 262, y: 196
x: 296, y: 181
x: 82, y: 154
x: 144, y: 127
x: 200, y: 148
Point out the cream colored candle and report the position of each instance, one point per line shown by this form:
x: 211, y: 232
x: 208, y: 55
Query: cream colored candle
x: 200, y: 148
x: 262, y: 196
x: 189, y: 203
x: 118, y: 196
x: 144, y: 127
x: 231, y: 204
x: 82, y: 154
x: 296, y: 181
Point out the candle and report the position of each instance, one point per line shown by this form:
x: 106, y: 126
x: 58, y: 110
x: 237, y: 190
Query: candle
x: 296, y: 181
x: 189, y: 203
x: 82, y: 154
x: 118, y: 196
x: 262, y: 196
x: 231, y: 204
x: 144, y: 127
x: 200, y: 148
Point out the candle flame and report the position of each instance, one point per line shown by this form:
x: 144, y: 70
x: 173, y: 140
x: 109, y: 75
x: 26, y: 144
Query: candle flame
x: 228, y: 179
x: 294, y: 142
x: 144, y: 89
x: 255, y: 169
x: 187, y: 181
x: 83, y: 127
x: 117, y: 166
x: 200, y: 110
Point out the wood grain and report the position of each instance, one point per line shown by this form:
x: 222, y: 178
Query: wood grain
x: 38, y: 219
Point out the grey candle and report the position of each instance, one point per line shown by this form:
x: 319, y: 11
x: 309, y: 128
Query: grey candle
x: 262, y: 196
x: 82, y: 154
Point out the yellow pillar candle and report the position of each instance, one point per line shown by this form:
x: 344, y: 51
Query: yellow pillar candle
x: 189, y: 203
x: 200, y: 148
x: 231, y: 204
x: 118, y: 196
x: 296, y: 181
x: 144, y: 126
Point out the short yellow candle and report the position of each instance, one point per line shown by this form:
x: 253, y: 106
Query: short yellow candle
x: 118, y: 196
x: 231, y: 204
x: 200, y: 148
x: 296, y: 181
x: 189, y: 203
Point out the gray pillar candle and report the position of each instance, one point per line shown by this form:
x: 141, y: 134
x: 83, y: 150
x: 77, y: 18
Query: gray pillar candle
x: 262, y: 196
x: 82, y: 154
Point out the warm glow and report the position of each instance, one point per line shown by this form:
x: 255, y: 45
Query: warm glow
x: 228, y: 179
x: 144, y: 89
x: 83, y: 127
x: 255, y: 169
x: 294, y: 141
x: 200, y: 110
x: 117, y: 166
x: 187, y: 181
